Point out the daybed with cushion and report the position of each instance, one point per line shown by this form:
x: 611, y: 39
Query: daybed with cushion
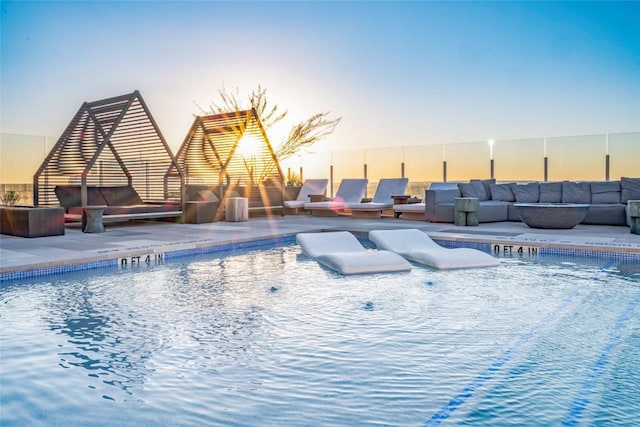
x: 607, y: 200
x: 120, y: 203
x: 416, y: 246
x: 342, y: 252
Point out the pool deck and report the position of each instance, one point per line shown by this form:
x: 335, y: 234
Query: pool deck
x: 19, y: 254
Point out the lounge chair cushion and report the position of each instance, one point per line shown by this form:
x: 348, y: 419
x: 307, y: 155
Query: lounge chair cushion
x: 382, y: 199
x: 69, y: 196
x: 310, y: 187
x: 349, y: 191
x: 121, y: 196
x: 416, y: 246
x: 342, y: 252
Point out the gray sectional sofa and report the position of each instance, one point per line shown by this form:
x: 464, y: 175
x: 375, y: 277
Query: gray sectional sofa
x: 607, y: 199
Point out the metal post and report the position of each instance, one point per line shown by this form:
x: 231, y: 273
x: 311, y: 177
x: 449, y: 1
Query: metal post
x: 331, y: 179
x: 365, y: 171
x: 546, y: 169
x: 606, y: 167
x: 491, y: 167
x: 301, y: 175
x: 444, y: 170
x: 402, y: 170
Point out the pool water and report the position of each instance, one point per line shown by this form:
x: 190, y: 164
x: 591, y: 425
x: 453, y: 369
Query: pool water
x: 268, y: 337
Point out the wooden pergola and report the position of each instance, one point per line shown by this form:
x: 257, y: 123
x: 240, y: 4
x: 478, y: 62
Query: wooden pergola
x: 111, y: 142
x: 231, y: 151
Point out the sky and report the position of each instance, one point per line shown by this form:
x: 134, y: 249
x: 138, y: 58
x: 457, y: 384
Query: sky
x: 397, y: 73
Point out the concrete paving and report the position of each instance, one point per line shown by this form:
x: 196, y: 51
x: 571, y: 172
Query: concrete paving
x: 136, y: 238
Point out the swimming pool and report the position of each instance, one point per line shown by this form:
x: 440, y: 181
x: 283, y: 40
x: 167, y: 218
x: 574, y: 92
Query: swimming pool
x: 267, y: 337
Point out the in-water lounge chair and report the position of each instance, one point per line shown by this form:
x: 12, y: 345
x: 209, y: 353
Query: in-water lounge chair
x: 309, y: 187
x: 382, y: 198
x: 416, y: 246
x: 342, y: 252
x: 349, y: 191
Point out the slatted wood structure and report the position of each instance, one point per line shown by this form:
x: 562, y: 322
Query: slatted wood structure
x: 111, y: 142
x: 231, y: 151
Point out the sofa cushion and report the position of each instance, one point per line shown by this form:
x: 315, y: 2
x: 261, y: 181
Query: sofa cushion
x: 630, y: 189
x: 121, y: 196
x: 605, y: 192
x: 468, y: 190
x: 69, y: 196
x: 576, y: 192
x: 550, y: 192
x: 527, y: 193
x: 502, y: 192
x: 486, y: 185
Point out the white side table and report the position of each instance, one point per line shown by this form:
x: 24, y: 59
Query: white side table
x: 237, y: 209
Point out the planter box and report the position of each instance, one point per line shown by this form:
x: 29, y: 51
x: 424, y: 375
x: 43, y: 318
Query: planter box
x: 25, y: 221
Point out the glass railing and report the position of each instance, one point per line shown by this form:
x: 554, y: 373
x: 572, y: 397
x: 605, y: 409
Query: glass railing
x: 578, y: 158
x: 586, y: 157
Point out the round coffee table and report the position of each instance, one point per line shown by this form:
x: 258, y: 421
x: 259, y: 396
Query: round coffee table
x: 551, y: 215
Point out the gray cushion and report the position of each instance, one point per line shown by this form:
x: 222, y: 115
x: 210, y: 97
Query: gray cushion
x: 576, y: 192
x: 630, y: 189
x: 550, y: 192
x: 485, y: 192
x: 69, y: 196
x: 502, y: 192
x: 527, y: 193
x: 469, y: 190
x: 605, y: 192
x: 121, y: 196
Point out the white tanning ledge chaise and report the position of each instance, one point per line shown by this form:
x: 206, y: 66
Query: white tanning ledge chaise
x: 382, y: 199
x: 342, y: 252
x: 416, y: 246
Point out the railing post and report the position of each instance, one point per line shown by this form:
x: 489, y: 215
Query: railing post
x: 546, y: 169
x: 606, y: 167
x: 331, y: 179
x: 402, y: 170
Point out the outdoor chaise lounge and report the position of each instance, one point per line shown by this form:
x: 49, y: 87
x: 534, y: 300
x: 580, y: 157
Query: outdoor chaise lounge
x: 416, y: 246
x: 349, y: 191
x: 342, y: 252
x: 309, y: 187
x: 413, y: 211
x: 382, y: 198
x: 121, y: 203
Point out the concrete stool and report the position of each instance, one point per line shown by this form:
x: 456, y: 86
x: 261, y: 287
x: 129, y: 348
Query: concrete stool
x: 92, y: 219
x: 237, y: 209
x: 466, y: 211
x: 634, y: 215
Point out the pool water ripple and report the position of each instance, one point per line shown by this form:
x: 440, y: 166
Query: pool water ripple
x: 270, y: 338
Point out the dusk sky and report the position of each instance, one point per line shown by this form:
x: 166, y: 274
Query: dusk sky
x: 398, y: 73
